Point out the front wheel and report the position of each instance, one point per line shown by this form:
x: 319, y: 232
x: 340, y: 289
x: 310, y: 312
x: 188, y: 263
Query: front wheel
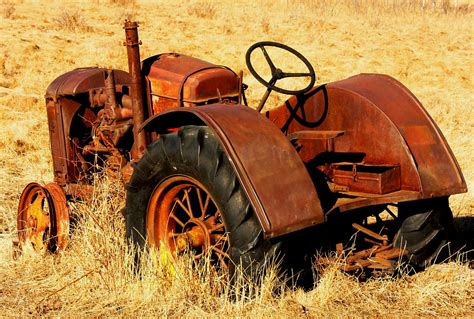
x: 184, y: 195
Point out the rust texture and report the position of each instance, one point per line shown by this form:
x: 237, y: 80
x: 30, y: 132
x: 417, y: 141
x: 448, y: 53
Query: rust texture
x: 266, y: 163
x: 136, y: 86
x: 365, y: 141
x: 172, y: 220
x: 82, y: 80
x: 43, y: 218
x: 436, y: 165
x: 375, y: 112
x: 178, y: 80
x: 380, y: 256
x: 65, y: 100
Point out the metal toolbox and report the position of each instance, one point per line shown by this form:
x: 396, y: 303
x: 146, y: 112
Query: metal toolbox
x: 366, y: 178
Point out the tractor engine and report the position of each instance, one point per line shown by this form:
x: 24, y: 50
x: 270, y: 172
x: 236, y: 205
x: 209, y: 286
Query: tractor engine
x: 90, y: 110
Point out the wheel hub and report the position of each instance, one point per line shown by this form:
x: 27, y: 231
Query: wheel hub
x: 195, y: 235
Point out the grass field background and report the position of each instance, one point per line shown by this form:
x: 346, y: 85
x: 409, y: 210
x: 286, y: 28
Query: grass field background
x: 427, y: 45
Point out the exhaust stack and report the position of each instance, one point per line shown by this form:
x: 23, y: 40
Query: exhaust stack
x: 136, y: 88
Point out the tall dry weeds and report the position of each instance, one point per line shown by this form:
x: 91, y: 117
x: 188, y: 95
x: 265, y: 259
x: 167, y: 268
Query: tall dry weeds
x: 202, y: 9
x: 72, y: 20
x: 98, y: 275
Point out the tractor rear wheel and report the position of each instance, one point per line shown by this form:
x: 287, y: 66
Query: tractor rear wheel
x: 184, y: 195
x: 425, y: 230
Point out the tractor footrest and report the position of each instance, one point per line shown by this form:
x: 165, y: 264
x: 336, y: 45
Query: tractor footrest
x: 366, y: 178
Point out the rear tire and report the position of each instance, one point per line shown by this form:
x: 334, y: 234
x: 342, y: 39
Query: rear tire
x: 425, y: 231
x: 195, y: 154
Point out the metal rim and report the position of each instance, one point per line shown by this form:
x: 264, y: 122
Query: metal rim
x: 60, y: 222
x: 43, y: 218
x: 183, y: 216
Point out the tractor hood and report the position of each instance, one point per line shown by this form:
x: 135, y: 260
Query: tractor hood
x: 178, y: 80
x: 82, y: 80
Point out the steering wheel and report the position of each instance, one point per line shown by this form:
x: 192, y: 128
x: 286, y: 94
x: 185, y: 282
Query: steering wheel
x: 278, y: 74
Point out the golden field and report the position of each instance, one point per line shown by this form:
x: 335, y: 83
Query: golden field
x: 427, y: 45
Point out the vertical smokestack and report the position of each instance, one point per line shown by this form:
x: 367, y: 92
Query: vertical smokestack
x: 137, y: 88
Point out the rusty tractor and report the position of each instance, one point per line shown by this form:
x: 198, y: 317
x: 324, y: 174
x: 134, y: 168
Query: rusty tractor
x: 205, y: 173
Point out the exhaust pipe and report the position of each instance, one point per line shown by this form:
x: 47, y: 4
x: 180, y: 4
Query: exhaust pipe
x: 136, y: 88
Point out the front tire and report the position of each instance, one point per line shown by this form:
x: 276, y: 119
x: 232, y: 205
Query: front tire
x: 191, y: 161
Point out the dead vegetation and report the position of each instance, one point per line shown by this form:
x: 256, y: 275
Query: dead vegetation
x: 96, y: 276
x: 389, y: 7
x: 425, y: 44
x: 8, y: 9
x: 202, y: 9
x: 72, y: 21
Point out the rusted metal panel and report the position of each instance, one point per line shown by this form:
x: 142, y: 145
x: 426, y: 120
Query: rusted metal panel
x: 369, y: 138
x: 267, y: 165
x: 369, y: 135
x: 375, y: 114
x: 180, y: 80
x: 81, y: 81
x: 354, y: 200
x: 437, y: 167
x: 61, y: 115
x: 57, y: 134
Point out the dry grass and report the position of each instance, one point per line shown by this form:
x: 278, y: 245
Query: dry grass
x: 8, y: 9
x: 202, y: 9
x: 428, y: 48
x: 95, y: 276
x: 72, y: 21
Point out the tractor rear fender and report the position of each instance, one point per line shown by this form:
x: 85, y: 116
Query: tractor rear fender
x: 384, y: 123
x: 437, y: 167
x: 266, y: 164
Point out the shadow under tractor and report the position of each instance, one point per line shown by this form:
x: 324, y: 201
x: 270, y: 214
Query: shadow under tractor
x: 206, y: 174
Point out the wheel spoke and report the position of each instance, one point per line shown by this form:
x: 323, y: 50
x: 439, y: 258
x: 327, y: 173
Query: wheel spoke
x: 180, y: 203
x: 176, y: 219
x: 294, y: 75
x: 180, y: 226
x: 222, y: 261
x: 201, y: 205
x: 267, y: 57
x: 188, y: 200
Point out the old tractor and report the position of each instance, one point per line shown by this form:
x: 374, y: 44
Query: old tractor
x: 207, y: 174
